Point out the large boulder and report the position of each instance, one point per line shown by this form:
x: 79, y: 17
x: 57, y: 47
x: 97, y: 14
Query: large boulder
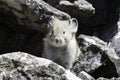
x: 22, y: 66
x: 115, y: 44
x: 85, y: 76
x: 101, y: 78
x: 27, y: 14
x: 80, y: 9
x: 115, y: 41
x: 34, y: 14
x: 97, y: 59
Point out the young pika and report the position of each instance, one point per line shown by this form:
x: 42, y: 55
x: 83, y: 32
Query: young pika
x: 60, y: 44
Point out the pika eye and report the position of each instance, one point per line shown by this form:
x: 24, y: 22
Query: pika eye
x: 63, y: 32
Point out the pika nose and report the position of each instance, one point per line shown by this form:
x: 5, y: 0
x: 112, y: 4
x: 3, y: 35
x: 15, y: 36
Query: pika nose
x: 57, y: 40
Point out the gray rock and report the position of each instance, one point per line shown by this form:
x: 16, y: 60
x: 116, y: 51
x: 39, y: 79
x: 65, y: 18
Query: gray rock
x: 81, y: 5
x: 22, y: 66
x: 115, y: 41
x: 97, y: 58
x: 28, y: 14
x: 101, y: 78
x: 80, y: 9
x: 85, y: 76
x: 115, y: 44
x: 92, y: 49
x: 84, y: 5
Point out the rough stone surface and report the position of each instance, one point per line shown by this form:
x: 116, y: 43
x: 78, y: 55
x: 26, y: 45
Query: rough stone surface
x: 27, y: 14
x: 85, y: 76
x: 22, y: 66
x: 80, y: 9
x: 23, y: 26
x: 92, y: 49
x: 115, y: 44
x: 101, y: 78
x: 97, y: 58
x: 115, y: 41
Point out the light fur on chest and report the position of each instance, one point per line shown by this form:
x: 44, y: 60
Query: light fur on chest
x: 64, y: 56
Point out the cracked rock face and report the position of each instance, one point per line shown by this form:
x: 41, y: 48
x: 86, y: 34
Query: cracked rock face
x: 22, y: 66
x: 22, y: 28
x: 97, y: 59
x: 93, y: 51
x: 115, y: 44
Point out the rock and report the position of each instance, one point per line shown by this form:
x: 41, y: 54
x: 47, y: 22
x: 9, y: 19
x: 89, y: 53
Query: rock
x: 96, y: 59
x: 115, y: 41
x: 27, y: 14
x: 22, y: 66
x: 85, y: 76
x: 88, y: 62
x: 80, y: 9
x: 101, y: 78
x: 100, y: 23
x: 23, y: 27
x: 84, y: 5
x: 80, y: 6
x: 67, y: 3
x: 115, y: 44
x: 92, y: 49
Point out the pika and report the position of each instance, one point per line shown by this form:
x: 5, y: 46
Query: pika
x: 60, y: 43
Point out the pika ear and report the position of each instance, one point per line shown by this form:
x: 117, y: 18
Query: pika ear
x: 74, y: 25
x: 51, y: 18
x: 50, y: 21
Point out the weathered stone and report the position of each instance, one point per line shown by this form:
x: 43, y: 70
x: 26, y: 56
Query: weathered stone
x: 80, y: 9
x: 23, y: 66
x: 85, y: 76
x: 27, y: 14
x: 23, y: 26
x: 115, y: 41
x: 115, y: 44
x: 96, y: 59
x: 101, y: 78
x: 92, y: 49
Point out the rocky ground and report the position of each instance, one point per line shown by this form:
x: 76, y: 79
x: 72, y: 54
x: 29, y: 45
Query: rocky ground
x: 23, y: 26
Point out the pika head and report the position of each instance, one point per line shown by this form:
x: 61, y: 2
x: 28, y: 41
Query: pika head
x: 60, y: 32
